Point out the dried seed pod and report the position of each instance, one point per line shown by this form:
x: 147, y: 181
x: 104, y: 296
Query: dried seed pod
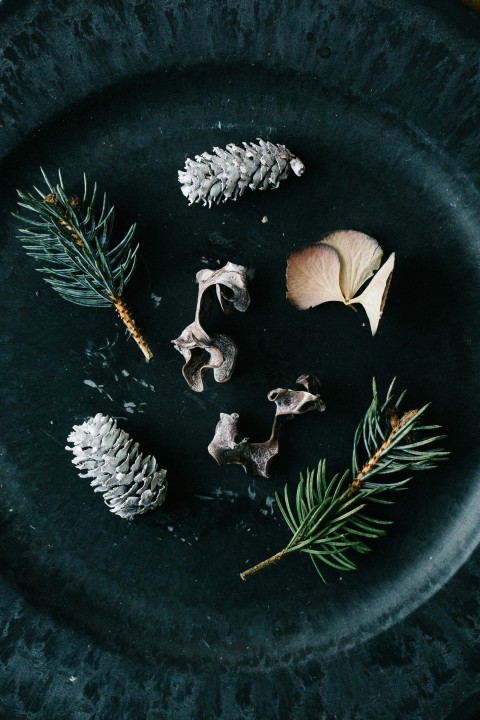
x: 131, y: 484
x: 204, y: 352
x: 215, y: 352
x: 226, y: 174
x: 228, y: 447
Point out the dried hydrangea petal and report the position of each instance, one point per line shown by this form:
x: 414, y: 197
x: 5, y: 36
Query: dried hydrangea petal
x: 360, y: 255
x: 335, y: 269
x: 313, y: 277
x: 374, y: 296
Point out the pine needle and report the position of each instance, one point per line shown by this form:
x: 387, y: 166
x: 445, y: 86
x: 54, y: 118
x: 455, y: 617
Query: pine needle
x: 328, y: 520
x: 74, y: 248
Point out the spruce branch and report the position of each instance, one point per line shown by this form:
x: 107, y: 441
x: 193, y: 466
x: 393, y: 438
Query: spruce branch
x: 328, y: 519
x: 74, y: 246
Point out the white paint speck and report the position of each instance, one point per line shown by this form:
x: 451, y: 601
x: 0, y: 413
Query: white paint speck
x: 129, y: 406
x: 100, y: 388
x: 264, y: 219
x: 269, y: 506
x: 125, y: 373
x: 144, y: 384
x: 156, y: 299
x: 269, y: 503
x: 229, y: 495
x: 72, y: 678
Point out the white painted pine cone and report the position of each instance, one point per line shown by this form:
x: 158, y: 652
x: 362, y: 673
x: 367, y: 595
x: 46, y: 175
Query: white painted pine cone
x: 131, y: 484
x: 225, y: 174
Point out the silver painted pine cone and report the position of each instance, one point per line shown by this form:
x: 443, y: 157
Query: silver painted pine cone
x: 226, y: 174
x: 131, y: 484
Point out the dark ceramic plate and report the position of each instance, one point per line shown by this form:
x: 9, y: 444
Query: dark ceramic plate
x: 109, y: 619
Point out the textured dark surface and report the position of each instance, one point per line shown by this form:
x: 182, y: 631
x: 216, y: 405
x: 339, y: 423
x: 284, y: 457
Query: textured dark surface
x: 107, y: 619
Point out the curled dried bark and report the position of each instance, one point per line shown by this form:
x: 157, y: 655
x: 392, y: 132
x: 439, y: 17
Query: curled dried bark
x: 215, y: 352
x: 228, y: 447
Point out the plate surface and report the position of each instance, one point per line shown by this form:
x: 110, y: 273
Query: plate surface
x: 380, y: 103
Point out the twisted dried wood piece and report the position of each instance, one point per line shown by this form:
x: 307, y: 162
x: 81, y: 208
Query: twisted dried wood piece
x: 215, y: 352
x: 228, y: 447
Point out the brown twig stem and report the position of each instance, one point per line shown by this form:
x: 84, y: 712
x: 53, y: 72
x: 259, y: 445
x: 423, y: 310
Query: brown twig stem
x: 397, y: 424
x: 74, y: 203
x: 125, y: 316
x: 265, y: 563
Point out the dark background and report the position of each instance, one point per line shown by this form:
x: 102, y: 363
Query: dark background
x: 109, y: 619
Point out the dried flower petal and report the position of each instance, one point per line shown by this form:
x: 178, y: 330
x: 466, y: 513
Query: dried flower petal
x: 335, y: 269
x: 313, y: 276
x: 374, y: 296
x: 360, y: 255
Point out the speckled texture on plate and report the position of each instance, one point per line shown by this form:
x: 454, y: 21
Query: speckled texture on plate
x: 145, y: 620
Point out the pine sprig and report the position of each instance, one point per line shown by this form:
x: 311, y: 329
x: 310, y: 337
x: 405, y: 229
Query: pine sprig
x: 75, y: 248
x: 328, y: 519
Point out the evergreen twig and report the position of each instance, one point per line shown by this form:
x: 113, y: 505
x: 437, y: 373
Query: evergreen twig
x: 79, y: 259
x: 328, y: 520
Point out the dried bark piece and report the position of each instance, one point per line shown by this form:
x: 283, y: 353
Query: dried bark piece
x: 335, y: 269
x: 217, y: 352
x: 226, y: 174
x: 234, y: 278
x: 228, y: 447
x: 204, y: 352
